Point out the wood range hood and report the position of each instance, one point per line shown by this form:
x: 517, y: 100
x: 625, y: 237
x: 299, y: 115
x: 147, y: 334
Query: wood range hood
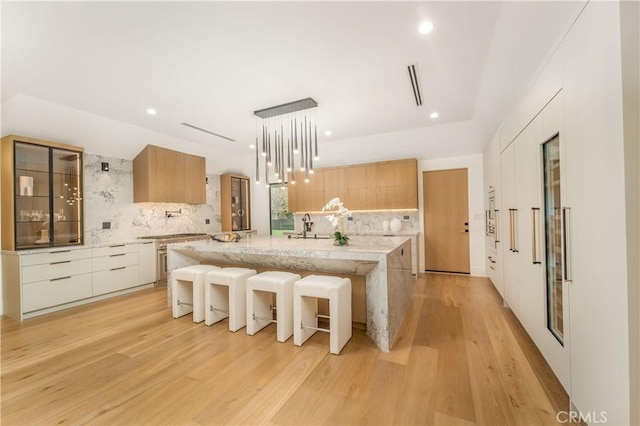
x: 162, y: 175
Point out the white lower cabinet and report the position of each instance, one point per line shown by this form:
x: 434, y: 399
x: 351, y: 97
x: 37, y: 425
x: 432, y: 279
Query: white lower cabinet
x: 57, y: 291
x: 35, y: 283
x: 115, y: 279
x: 115, y: 268
x: 147, y: 258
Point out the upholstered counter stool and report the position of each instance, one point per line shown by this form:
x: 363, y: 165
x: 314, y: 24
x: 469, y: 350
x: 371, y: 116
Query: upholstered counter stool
x: 305, y: 309
x: 260, y: 289
x: 225, y: 296
x: 187, y: 290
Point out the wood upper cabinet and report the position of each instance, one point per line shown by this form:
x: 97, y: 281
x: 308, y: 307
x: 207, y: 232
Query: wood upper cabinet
x: 392, y: 185
x: 374, y: 186
x: 166, y: 176
x: 307, y: 196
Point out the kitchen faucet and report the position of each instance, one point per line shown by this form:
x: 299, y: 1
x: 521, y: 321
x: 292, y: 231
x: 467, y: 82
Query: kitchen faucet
x: 306, y: 225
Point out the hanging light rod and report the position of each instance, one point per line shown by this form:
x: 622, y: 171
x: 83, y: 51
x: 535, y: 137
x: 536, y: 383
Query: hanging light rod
x: 287, y: 108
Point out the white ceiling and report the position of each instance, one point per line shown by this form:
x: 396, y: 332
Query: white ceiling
x: 212, y: 64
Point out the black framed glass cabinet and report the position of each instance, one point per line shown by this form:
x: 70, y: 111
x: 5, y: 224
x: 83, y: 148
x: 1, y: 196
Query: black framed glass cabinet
x: 42, y: 187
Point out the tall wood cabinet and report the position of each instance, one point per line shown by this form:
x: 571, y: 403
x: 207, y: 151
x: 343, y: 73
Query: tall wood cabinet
x: 235, y: 202
x: 162, y: 175
x: 42, y: 194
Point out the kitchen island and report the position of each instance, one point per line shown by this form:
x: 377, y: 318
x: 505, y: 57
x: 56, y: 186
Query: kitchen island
x: 385, y: 262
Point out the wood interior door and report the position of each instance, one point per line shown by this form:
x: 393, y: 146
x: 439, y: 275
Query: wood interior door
x: 446, y: 220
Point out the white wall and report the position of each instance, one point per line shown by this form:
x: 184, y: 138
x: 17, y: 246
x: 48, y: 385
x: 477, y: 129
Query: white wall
x: 474, y: 166
x: 33, y: 117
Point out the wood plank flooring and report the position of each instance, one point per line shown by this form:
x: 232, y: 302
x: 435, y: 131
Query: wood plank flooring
x: 460, y: 358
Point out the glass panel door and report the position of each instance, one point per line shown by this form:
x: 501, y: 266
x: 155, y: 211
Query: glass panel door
x: 281, y: 219
x: 553, y: 236
x: 240, y: 205
x: 32, y: 209
x: 67, y: 197
x: 245, y: 217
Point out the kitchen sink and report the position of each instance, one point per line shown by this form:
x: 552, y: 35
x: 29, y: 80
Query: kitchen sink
x: 308, y: 237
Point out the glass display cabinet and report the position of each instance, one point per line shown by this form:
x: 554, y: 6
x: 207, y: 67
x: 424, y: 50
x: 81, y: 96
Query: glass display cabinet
x: 235, y: 203
x: 43, y: 206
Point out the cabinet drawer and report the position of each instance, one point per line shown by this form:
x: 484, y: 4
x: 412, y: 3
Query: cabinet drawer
x: 115, y: 249
x: 114, y: 280
x: 114, y: 261
x: 53, y: 270
x: 44, y: 294
x: 60, y: 255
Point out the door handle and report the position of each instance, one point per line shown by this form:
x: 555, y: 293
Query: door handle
x: 534, y: 234
x: 566, y: 236
x: 513, y: 226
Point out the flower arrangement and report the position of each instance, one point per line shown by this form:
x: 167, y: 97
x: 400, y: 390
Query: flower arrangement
x: 339, y: 212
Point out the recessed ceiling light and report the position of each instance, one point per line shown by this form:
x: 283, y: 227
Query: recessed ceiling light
x: 151, y: 111
x: 327, y: 133
x: 434, y: 115
x: 425, y: 27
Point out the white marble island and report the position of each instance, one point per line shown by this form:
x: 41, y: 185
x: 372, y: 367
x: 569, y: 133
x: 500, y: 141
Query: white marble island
x: 385, y: 262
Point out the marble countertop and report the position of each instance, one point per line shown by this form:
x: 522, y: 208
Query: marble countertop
x: 75, y: 247
x: 359, y: 247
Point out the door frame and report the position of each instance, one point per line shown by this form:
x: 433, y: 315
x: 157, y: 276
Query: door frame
x: 475, y: 186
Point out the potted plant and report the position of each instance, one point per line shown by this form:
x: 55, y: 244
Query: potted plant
x: 339, y: 212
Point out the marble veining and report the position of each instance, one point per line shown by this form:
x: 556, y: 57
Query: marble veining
x: 109, y: 198
x: 386, y: 264
x: 364, y: 222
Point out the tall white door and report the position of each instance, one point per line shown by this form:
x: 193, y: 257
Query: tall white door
x: 595, y: 222
x: 508, y: 218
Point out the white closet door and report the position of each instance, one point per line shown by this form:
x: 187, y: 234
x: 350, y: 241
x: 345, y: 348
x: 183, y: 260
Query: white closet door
x: 596, y: 222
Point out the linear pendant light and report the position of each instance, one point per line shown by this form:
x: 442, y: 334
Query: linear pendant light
x: 280, y: 157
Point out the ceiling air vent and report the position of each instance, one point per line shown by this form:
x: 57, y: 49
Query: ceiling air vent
x: 207, y: 131
x: 413, y: 76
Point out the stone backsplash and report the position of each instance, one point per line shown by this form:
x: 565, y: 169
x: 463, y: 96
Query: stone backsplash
x: 365, y: 222
x: 109, y: 198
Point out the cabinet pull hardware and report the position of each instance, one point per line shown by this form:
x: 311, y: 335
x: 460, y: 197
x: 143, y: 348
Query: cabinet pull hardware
x: 492, y: 267
x: 534, y: 236
x: 116, y: 255
x: 116, y: 269
x: 58, y: 279
x: 513, y: 226
x: 491, y: 260
x: 60, y: 251
x: 150, y: 242
x: 58, y: 263
x: 117, y: 245
x: 566, y: 236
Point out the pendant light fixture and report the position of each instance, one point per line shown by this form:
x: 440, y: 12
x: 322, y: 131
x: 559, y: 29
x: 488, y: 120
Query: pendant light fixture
x: 294, y: 130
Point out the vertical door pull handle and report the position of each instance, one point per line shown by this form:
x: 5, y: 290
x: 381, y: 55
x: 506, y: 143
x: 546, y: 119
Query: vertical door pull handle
x: 514, y: 227
x: 534, y: 237
x: 566, y: 236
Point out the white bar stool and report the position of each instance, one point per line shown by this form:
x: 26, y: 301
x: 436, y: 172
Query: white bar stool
x: 260, y: 302
x: 225, y: 296
x: 305, y: 309
x: 187, y: 290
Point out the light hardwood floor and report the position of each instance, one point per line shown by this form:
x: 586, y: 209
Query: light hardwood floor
x: 461, y: 359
